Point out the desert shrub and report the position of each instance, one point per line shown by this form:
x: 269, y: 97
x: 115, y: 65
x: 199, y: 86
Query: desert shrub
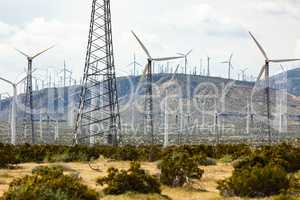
x: 49, y: 183
x: 177, y: 168
x: 235, y: 150
x: 133, y: 180
x: 285, y: 197
x: 226, y: 159
x: 294, y: 187
x: 283, y: 155
x: 207, y: 161
x: 7, y: 156
x: 211, y: 151
x: 31, y: 153
x: 257, y: 181
x: 54, y: 170
x: 129, y: 153
x: 81, y: 153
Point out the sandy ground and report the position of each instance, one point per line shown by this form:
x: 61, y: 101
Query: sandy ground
x: 200, y: 190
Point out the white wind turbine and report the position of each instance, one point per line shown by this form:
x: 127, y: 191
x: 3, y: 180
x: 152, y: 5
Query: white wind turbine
x: 185, y: 56
x: 149, y: 99
x: 29, y: 87
x: 266, y: 71
x: 248, y: 113
x: 229, y: 62
x: 243, y: 71
x: 166, y: 114
x: 13, y: 122
x: 281, y: 116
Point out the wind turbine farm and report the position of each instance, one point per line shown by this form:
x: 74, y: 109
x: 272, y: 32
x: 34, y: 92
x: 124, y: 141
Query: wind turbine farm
x: 194, y: 115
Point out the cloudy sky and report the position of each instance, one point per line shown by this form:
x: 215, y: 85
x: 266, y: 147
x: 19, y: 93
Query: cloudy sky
x: 212, y: 28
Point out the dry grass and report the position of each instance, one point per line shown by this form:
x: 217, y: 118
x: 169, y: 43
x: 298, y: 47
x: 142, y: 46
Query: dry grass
x: 131, y: 196
x: 198, y: 190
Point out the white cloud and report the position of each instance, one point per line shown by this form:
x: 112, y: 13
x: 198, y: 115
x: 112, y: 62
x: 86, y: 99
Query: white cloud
x: 211, y: 27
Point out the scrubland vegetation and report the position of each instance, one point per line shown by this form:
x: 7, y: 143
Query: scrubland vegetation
x: 258, y: 172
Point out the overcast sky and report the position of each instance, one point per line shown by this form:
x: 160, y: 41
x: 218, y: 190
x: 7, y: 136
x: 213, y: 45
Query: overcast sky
x: 212, y: 28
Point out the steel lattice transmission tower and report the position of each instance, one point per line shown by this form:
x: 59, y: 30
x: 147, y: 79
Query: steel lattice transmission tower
x: 98, y: 114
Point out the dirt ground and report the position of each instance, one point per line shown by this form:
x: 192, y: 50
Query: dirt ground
x: 201, y: 190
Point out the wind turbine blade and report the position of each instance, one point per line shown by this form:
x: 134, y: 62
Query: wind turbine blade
x: 224, y: 62
x: 130, y: 64
x: 138, y: 64
x: 284, y: 60
x: 181, y: 54
x: 34, y: 70
x: 144, y: 72
x: 142, y: 45
x: 21, y: 52
x: 230, y: 58
x: 259, y: 46
x: 261, y: 72
x: 175, y: 72
x: 167, y: 58
x: 22, y: 80
x: 42, y: 52
x: 243, y: 70
x: 282, y: 68
x: 7, y: 81
x: 188, y: 53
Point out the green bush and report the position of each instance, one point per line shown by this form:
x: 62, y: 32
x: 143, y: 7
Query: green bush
x: 49, y: 183
x: 133, y: 180
x: 54, y: 170
x: 226, y: 159
x: 255, y: 181
x: 235, y: 150
x: 127, y: 153
x: 207, y: 161
x: 285, y: 197
x: 283, y: 155
x: 7, y: 156
x: 177, y: 168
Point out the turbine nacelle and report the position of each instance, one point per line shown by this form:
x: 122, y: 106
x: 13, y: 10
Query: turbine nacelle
x: 150, y: 59
x: 267, y: 60
x: 30, y: 58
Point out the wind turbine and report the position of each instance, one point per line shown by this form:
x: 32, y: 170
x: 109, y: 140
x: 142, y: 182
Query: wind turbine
x: 248, y: 114
x: 244, y: 73
x: 29, y: 97
x: 208, y: 66
x: 149, y: 99
x: 65, y: 71
x: 13, y: 121
x: 266, y: 71
x: 166, y: 114
x: 281, y: 116
x: 185, y: 56
x: 229, y: 62
x: 134, y: 63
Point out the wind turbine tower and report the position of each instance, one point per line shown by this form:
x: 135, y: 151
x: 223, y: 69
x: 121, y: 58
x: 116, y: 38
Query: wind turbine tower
x: 65, y: 71
x: 13, y: 122
x: 147, y: 73
x: 266, y: 71
x: 28, y: 119
x: 185, y: 56
x: 229, y: 62
x: 208, y: 66
x: 243, y: 71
